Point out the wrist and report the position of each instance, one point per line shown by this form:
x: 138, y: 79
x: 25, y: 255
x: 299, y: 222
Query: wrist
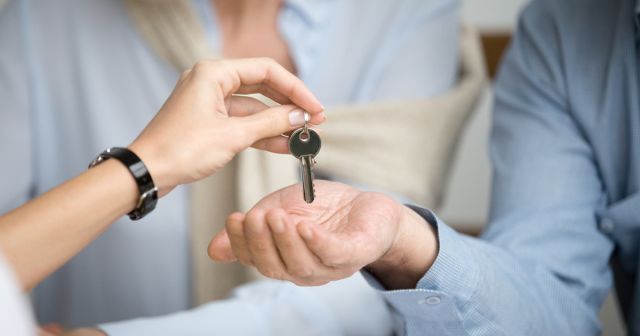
x: 413, y: 251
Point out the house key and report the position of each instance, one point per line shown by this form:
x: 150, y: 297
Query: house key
x: 304, y: 144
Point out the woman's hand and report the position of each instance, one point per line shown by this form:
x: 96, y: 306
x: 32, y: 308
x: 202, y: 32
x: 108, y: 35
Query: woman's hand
x: 342, y: 231
x: 197, y: 131
x: 203, y: 125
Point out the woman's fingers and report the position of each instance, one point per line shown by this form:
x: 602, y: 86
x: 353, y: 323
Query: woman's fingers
x: 277, y: 144
x: 271, y: 122
x: 266, y: 91
x: 315, y: 118
x: 249, y: 72
x: 242, y: 106
x: 269, y: 73
x: 264, y: 125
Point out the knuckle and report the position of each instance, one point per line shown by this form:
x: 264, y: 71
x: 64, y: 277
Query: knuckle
x: 208, y: 68
x: 201, y: 65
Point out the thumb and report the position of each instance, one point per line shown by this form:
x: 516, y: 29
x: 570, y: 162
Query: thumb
x: 273, y: 121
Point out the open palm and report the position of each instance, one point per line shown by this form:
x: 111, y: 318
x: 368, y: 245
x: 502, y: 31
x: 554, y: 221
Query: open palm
x: 342, y: 231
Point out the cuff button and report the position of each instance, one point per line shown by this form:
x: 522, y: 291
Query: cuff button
x: 606, y: 225
x: 430, y: 300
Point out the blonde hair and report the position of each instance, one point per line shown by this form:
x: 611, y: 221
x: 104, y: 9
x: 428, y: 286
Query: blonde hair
x: 172, y: 29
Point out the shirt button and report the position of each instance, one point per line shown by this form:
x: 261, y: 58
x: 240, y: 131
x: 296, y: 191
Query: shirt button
x: 430, y: 300
x: 606, y: 225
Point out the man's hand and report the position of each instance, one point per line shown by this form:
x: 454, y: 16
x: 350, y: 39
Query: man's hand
x: 343, y: 231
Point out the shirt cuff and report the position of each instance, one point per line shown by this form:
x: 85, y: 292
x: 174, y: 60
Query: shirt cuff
x: 455, y: 270
x: 436, y: 302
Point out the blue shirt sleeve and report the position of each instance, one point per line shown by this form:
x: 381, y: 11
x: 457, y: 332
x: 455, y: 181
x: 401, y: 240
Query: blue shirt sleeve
x: 542, y: 266
x: 15, y: 128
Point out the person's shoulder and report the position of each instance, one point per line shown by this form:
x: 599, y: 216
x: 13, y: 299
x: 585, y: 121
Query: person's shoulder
x: 564, y: 28
x: 555, y: 39
x: 572, y: 16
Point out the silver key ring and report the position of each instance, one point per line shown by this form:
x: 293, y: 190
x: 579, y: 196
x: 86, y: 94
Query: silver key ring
x: 305, y: 132
x: 307, y: 118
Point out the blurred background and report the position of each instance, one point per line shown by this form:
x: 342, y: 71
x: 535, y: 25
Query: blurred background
x: 467, y: 197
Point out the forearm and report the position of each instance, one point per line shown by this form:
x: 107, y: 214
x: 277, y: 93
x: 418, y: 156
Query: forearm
x: 40, y: 236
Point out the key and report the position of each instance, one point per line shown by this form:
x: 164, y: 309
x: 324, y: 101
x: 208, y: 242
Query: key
x: 304, y: 144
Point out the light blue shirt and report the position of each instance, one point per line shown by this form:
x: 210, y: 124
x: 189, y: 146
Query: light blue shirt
x: 76, y: 77
x: 565, y: 147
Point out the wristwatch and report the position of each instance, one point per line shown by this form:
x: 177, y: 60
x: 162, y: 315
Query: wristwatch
x: 148, y: 190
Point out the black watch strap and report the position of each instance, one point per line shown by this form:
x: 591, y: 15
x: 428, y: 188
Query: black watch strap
x: 148, y: 190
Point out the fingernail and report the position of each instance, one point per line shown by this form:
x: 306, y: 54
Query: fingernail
x: 296, y: 117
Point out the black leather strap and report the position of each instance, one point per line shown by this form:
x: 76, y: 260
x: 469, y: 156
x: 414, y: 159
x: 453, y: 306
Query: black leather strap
x: 148, y: 190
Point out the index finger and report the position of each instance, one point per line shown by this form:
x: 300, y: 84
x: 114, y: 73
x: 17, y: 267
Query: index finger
x: 252, y: 72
